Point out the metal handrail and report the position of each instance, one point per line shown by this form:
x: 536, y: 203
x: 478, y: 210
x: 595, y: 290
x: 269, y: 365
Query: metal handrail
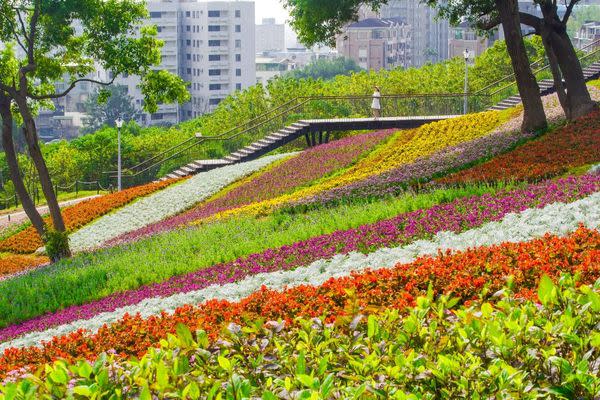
x: 533, y: 64
x: 302, y: 101
x: 544, y: 68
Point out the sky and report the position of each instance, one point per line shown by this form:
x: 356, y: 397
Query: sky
x: 270, y: 9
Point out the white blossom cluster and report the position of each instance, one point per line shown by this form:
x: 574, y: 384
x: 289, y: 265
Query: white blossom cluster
x: 557, y: 218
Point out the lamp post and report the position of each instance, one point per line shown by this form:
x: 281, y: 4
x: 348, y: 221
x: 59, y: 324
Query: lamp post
x: 119, y: 124
x: 466, y: 54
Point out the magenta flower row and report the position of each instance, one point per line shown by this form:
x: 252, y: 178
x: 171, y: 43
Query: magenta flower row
x: 309, y: 165
x: 456, y: 216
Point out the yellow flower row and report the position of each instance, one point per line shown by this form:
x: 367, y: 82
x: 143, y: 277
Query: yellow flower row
x: 405, y: 147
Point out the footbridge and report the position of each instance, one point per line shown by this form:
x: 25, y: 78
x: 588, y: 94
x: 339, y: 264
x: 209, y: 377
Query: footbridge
x: 314, y: 119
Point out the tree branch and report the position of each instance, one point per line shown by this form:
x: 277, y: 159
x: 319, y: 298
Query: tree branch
x: 71, y: 87
x: 569, y: 11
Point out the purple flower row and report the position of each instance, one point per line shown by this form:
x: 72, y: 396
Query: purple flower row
x: 456, y: 216
x: 447, y: 159
x: 309, y: 165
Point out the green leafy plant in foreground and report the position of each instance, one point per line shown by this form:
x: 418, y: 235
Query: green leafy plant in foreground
x: 499, y: 348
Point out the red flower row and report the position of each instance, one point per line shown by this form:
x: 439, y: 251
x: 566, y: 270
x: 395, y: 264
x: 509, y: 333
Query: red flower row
x: 574, y: 145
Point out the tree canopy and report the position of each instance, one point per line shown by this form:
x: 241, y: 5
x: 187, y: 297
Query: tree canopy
x: 105, y: 111
x: 326, y: 69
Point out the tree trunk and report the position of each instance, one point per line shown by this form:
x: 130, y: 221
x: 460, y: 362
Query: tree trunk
x: 13, y: 167
x: 534, y: 116
x: 35, y: 152
x: 556, y: 73
x: 579, y: 100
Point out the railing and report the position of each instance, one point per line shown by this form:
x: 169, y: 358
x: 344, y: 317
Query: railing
x: 355, y: 106
x: 204, y: 147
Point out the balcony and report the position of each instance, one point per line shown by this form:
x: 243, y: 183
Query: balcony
x: 218, y: 50
x: 219, y: 79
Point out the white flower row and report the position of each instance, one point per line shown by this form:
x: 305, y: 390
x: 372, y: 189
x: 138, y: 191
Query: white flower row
x: 557, y: 218
x: 163, y: 204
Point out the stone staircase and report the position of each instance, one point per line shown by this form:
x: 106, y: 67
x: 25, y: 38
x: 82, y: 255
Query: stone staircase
x: 547, y: 87
x: 248, y: 153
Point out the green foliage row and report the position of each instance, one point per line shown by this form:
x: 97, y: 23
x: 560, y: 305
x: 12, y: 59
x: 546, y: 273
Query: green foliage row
x: 506, y: 348
x: 93, y: 276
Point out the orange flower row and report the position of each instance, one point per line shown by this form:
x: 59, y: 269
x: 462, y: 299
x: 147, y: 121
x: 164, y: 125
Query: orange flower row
x: 464, y: 274
x: 11, y: 264
x: 574, y: 145
x: 78, y: 215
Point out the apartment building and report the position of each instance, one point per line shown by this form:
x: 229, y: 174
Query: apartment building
x: 464, y: 37
x: 377, y: 43
x: 270, y: 36
x: 429, y: 38
x: 210, y: 44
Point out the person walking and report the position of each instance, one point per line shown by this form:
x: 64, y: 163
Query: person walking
x: 376, y: 105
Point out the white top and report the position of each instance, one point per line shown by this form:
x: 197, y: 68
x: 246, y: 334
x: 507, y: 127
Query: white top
x: 376, y: 103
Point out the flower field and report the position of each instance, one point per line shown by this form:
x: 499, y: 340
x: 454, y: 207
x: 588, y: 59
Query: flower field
x: 456, y: 260
x: 28, y: 240
x: 300, y: 170
x: 405, y: 148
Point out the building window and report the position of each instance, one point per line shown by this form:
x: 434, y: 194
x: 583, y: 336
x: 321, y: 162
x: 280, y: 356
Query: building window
x: 214, y: 86
x: 214, y: 28
x: 214, y: 102
x: 238, y: 86
x: 238, y: 13
x: 238, y: 72
x: 155, y: 14
x: 214, y: 43
x: 214, y: 72
x: 156, y: 116
x: 214, y: 57
x: 238, y: 57
x: 187, y: 14
x: 188, y: 28
x: 214, y: 14
x: 238, y: 44
x: 238, y: 28
x: 188, y: 42
x: 188, y: 56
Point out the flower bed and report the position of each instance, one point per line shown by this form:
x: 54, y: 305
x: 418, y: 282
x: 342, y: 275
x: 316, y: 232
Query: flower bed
x: 164, y: 204
x: 391, y: 182
x: 390, y: 237
x: 357, y: 356
x: 11, y: 264
x: 574, y: 145
x: 464, y: 274
x: 78, y: 215
x: 305, y: 167
x: 406, y: 147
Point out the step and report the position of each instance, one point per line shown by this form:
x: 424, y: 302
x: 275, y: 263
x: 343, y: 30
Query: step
x: 232, y: 159
x: 189, y: 170
x: 266, y: 141
x: 279, y: 135
x: 172, y: 176
x: 300, y: 124
x: 239, y: 155
x: 245, y: 151
x: 195, y: 164
x: 180, y: 173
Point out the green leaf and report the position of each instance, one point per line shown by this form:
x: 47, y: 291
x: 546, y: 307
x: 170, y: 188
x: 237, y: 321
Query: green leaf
x: 547, y: 291
x: 306, y: 380
x: 268, y: 396
x: 224, y: 363
x: 184, y: 335
x: 191, y: 391
x: 145, y: 394
x: 82, y: 391
x: 162, y: 376
x: 84, y: 370
x: 59, y: 376
x: 301, y: 363
x: 595, y: 339
x: 371, y: 326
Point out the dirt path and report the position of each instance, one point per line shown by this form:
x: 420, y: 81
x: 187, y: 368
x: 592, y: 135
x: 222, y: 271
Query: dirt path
x: 20, y: 216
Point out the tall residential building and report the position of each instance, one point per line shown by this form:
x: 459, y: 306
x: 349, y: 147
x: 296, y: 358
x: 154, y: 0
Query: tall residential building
x: 210, y: 44
x: 376, y: 43
x: 464, y: 37
x: 270, y: 36
x: 429, y: 40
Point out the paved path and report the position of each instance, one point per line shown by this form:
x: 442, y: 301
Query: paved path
x: 18, y: 217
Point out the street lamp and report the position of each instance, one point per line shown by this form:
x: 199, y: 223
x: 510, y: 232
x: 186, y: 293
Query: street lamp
x: 119, y: 124
x: 466, y: 54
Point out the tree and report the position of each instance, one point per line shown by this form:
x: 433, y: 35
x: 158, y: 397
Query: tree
x: 319, y: 22
x: 326, y: 69
x: 48, y: 40
x: 104, y: 107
